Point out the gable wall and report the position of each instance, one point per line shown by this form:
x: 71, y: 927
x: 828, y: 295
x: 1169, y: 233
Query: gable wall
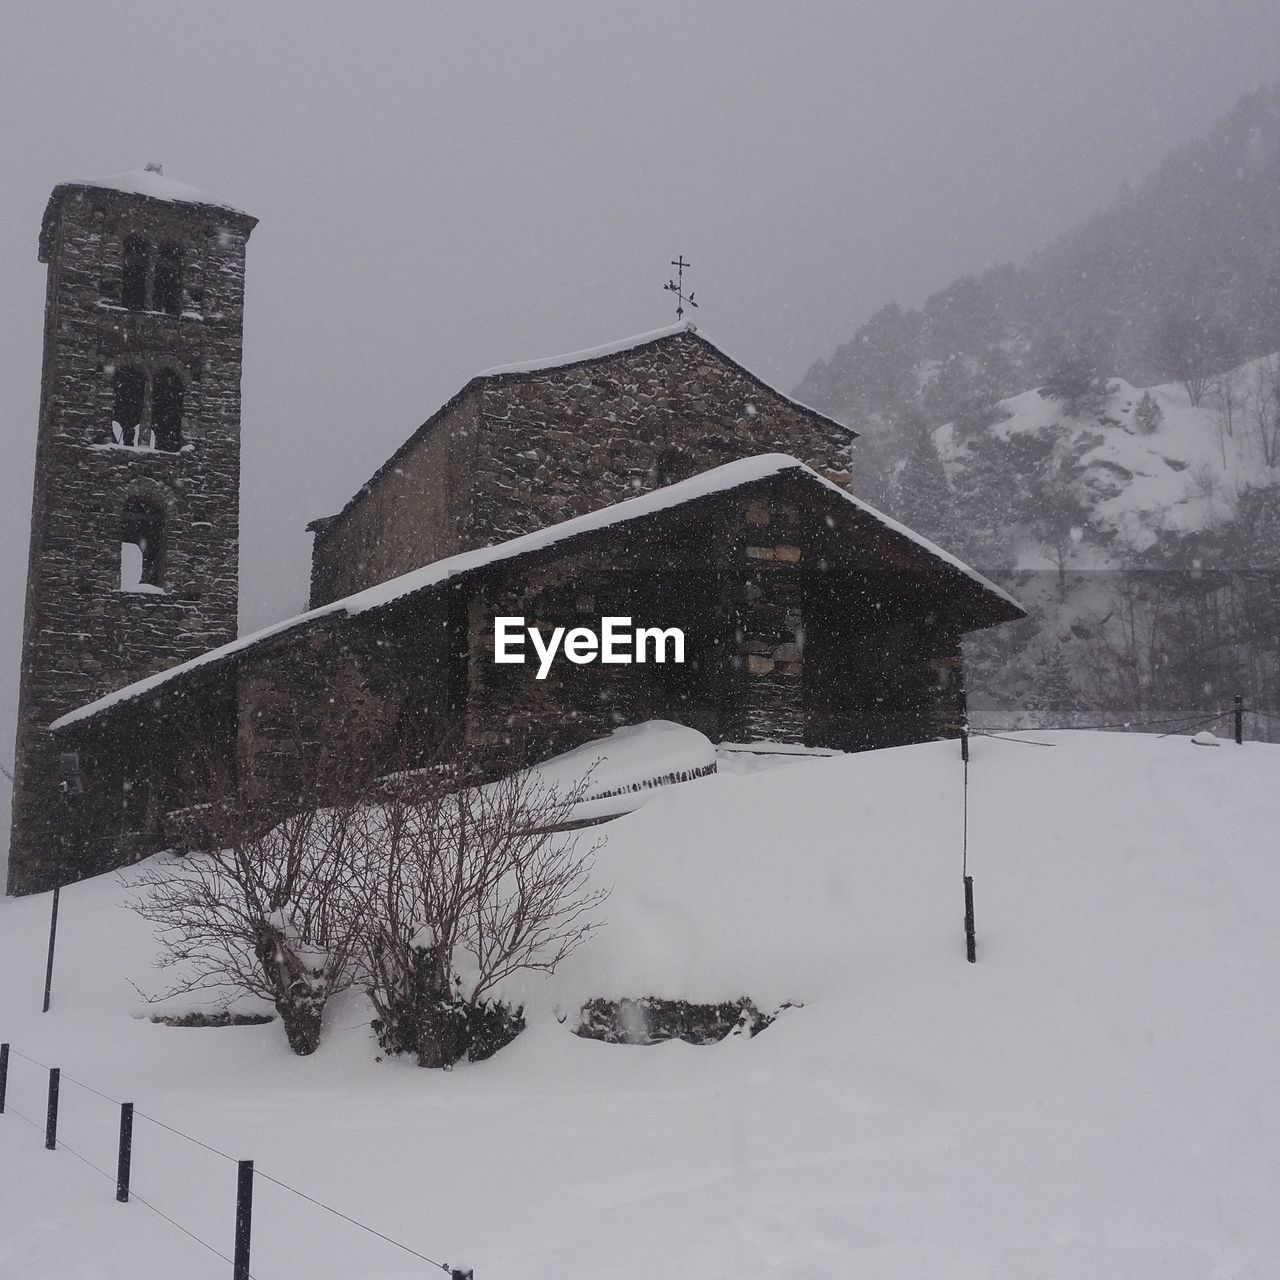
x: 567, y: 441
x: 411, y: 514
x: 516, y: 453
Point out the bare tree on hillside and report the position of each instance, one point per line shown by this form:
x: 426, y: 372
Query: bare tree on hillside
x: 1192, y: 347
x: 1262, y: 408
x: 1226, y: 398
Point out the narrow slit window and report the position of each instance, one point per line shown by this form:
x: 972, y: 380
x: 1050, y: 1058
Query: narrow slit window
x: 142, y: 546
x: 133, y: 284
x: 166, y: 290
x: 128, y: 391
x: 166, y: 410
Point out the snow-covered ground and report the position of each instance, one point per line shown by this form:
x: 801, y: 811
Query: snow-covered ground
x: 1098, y: 1096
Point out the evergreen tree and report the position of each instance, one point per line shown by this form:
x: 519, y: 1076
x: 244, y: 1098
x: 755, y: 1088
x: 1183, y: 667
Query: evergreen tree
x: 961, y: 320
x: 1054, y: 695
x: 1079, y: 384
x: 1148, y: 415
x: 921, y: 495
x: 990, y: 501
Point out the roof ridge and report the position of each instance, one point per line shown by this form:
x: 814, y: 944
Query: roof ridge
x: 601, y: 352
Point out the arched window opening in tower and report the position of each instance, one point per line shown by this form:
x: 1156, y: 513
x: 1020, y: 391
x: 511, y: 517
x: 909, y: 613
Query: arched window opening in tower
x: 166, y: 410
x: 142, y: 545
x: 128, y: 393
x: 166, y: 288
x: 133, y: 283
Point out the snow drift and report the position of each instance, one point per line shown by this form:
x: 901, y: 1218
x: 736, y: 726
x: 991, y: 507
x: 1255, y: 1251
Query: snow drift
x: 1096, y: 1096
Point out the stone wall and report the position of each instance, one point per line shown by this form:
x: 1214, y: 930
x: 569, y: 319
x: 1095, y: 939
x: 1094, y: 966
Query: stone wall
x: 785, y: 641
x: 561, y: 442
x: 672, y: 574
x: 517, y: 452
x: 83, y: 636
x: 412, y: 514
x: 769, y: 558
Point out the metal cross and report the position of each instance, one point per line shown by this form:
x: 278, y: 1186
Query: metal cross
x: 676, y: 286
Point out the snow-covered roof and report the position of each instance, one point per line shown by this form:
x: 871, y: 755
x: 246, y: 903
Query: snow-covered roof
x: 147, y: 182
x: 589, y: 353
x: 731, y: 475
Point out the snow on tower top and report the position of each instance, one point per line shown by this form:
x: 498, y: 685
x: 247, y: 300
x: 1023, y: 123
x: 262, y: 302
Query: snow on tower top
x: 151, y: 182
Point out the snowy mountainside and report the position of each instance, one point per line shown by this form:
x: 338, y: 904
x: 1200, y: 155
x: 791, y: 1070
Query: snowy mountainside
x: 1181, y: 269
x: 1096, y: 1096
x: 1141, y: 531
x: 1139, y: 485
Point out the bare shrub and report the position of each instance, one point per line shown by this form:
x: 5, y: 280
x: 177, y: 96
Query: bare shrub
x: 427, y: 886
x: 269, y: 906
x: 468, y: 884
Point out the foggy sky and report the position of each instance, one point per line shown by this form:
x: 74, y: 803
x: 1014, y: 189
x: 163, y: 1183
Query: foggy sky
x: 445, y: 187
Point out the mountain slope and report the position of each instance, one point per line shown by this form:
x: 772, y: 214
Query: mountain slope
x: 1140, y: 530
x: 1182, y: 269
x: 1144, y: 475
x: 1108, y: 406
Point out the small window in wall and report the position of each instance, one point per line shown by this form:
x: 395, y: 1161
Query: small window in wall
x: 166, y: 410
x: 128, y: 392
x: 166, y: 289
x: 142, y: 546
x: 133, y: 284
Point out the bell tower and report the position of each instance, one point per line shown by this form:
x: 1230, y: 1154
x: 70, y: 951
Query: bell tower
x: 135, y: 517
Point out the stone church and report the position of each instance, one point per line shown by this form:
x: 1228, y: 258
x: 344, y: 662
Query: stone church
x: 653, y: 479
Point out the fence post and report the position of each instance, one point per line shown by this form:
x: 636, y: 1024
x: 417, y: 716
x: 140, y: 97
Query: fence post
x: 970, y: 943
x: 53, y: 934
x: 126, y: 1152
x: 4, y: 1074
x: 51, y: 1115
x: 970, y: 936
x: 244, y: 1220
x: 1238, y: 715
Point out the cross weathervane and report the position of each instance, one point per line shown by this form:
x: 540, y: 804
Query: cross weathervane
x: 676, y: 286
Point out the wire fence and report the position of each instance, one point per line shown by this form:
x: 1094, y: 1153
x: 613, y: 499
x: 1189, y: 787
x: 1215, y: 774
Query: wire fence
x: 1193, y: 720
x: 54, y: 1142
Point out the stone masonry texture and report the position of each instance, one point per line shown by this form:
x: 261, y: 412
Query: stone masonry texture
x: 84, y: 636
x: 512, y: 453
